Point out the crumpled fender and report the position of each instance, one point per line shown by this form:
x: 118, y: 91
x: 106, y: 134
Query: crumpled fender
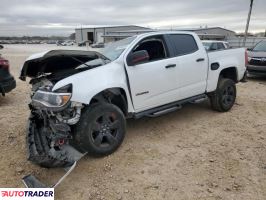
x: 87, y: 84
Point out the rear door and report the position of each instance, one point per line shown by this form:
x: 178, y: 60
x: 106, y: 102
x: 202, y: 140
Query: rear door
x: 153, y: 83
x: 192, y: 64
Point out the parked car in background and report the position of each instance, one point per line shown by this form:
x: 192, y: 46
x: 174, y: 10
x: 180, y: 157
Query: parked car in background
x: 84, y: 43
x: 7, y: 81
x: 257, y: 59
x: 59, y: 42
x: 98, y: 45
x: 214, y: 45
x: 68, y: 43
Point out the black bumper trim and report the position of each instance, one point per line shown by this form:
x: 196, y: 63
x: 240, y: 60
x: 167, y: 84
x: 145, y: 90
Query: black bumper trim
x: 40, y: 152
x: 253, y: 69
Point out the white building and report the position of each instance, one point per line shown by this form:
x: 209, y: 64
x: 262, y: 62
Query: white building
x: 96, y: 34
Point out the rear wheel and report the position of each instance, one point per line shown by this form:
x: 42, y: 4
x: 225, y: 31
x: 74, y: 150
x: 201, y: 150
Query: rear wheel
x: 101, y: 129
x: 224, y: 97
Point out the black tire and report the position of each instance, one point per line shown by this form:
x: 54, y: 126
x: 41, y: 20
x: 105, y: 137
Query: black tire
x: 224, y: 97
x: 101, y: 129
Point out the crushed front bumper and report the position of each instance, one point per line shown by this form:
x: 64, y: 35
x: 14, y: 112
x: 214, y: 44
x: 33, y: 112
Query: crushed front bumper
x: 40, y: 150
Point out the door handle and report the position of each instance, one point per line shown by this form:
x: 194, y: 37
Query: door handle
x: 200, y: 59
x: 170, y: 66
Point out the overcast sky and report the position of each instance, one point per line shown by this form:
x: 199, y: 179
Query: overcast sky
x: 61, y: 17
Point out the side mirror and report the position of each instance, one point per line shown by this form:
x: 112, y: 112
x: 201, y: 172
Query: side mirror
x: 138, y: 57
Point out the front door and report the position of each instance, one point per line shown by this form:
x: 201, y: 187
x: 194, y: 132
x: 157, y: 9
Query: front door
x: 153, y: 83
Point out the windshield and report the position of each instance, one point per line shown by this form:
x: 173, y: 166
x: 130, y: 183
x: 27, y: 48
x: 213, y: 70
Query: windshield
x: 115, y: 49
x: 207, y: 45
x: 260, y: 46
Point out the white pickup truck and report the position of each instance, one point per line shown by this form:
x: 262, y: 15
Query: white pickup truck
x: 81, y: 99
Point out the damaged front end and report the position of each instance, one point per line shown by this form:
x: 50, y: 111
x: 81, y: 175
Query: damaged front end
x: 53, y: 114
x: 49, y: 137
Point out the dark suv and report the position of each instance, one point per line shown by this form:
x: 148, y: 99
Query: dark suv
x: 7, y: 81
x: 257, y: 59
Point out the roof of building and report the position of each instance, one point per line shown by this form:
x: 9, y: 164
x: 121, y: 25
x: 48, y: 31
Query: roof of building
x: 107, y: 26
x: 202, y: 29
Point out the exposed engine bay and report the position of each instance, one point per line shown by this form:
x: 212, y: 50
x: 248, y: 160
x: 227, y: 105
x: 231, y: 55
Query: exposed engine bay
x: 49, y: 131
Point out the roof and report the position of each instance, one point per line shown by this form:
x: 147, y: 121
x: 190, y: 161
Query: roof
x: 211, y: 41
x: 202, y: 29
x: 107, y: 26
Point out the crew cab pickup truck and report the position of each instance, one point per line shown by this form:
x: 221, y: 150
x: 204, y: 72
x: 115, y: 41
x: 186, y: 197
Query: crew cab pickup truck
x: 81, y: 99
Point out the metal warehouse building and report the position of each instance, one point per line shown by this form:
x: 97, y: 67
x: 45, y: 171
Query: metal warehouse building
x: 212, y: 33
x: 96, y: 34
x: 105, y: 34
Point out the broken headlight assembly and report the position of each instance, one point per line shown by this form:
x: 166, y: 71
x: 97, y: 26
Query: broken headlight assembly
x: 56, y: 99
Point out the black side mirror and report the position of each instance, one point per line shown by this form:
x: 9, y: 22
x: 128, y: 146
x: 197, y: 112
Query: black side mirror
x: 138, y: 57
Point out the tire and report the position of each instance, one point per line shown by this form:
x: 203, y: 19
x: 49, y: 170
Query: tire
x: 101, y: 129
x: 224, y: 97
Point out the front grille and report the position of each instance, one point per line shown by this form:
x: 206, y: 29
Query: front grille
x: 258, y: 61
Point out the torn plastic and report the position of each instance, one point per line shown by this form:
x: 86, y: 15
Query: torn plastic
x: 31, y: 181
x: 42, y: 152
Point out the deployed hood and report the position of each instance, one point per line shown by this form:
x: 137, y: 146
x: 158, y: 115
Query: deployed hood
x: 55, y: 61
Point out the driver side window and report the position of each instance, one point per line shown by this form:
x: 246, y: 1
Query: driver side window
x: 155, y: 48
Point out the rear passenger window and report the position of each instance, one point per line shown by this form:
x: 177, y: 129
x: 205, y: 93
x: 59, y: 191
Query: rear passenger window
x: 221, y: 46
x: 214, y: 46
x: 183, y: 44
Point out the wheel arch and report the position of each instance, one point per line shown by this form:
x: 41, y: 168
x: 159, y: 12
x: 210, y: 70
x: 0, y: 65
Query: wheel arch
x: 116, y: 96
x: 230, y: 72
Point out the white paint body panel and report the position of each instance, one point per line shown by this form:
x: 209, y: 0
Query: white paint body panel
x: 227, y: 58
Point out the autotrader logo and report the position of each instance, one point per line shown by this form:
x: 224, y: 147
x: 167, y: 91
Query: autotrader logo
x: 27, y: 193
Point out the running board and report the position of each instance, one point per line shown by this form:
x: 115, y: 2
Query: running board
x: 162, y: 112
x: 154, y: 112
x: 31, y: 181
x: 199, y: 100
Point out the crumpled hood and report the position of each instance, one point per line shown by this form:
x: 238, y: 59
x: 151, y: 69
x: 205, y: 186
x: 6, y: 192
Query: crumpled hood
x: 56, y: 61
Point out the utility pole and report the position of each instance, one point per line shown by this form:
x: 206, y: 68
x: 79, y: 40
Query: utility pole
x: 248, y: 20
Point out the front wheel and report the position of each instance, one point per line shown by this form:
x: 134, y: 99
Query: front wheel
x: 101, y: 129
x: 224, y: 97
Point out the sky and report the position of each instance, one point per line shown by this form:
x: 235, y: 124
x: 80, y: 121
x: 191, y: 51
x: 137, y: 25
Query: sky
x: 61, y: 17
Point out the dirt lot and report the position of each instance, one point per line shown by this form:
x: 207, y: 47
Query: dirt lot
x: 194, y: 153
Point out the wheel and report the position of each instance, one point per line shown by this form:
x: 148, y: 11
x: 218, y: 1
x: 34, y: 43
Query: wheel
x: 101, y: 129
x: 224, y: 97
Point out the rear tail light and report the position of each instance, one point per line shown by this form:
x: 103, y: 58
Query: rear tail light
x: 4, y: 64
x: 246, y: 58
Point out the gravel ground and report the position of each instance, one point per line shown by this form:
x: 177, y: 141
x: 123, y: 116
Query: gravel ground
x: 194, y: 153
